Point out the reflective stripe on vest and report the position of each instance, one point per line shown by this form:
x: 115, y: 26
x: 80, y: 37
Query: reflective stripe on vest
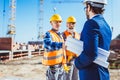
x: 53, y: 57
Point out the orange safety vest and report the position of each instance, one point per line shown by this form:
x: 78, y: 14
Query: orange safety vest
x: 54, y: 57
x: 76, y: 36
x: 70, y: 54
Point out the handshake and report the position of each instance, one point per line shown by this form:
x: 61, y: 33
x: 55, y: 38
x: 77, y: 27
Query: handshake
x: 76, y: 46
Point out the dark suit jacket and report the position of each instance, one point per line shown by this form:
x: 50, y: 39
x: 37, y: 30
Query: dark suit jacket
x: 96, y: 33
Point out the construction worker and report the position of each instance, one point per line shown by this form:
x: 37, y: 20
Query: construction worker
x: 54, y: 45
x: 96, y: 33
x: 73, y: 73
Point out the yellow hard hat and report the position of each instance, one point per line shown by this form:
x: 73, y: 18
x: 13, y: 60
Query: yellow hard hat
x: 56, y: 17
x: 71, y: 19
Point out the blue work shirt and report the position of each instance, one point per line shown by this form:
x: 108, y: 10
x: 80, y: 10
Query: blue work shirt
x: 96, y: 33
x: 49, y: 44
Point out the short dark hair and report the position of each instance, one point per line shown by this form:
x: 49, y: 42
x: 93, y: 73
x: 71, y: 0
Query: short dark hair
x: 96, y: 10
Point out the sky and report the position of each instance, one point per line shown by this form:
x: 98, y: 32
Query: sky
x: 27, y: 17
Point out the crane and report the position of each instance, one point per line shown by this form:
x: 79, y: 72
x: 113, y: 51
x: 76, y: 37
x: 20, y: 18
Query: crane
x: 4, y: 15
x: 40, y: 20
x: 12, y: 16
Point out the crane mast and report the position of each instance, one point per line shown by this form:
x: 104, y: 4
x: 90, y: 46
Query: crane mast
x: 40, y: 20
x: 12, y: 16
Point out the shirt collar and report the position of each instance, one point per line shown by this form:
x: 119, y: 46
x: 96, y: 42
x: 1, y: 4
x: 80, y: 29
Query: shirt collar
x: 96, y: 15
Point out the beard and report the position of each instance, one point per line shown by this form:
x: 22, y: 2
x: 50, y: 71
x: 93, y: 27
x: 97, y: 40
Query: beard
x: 71, y: 30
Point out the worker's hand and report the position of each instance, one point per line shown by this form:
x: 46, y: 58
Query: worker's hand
x: 66, y: 68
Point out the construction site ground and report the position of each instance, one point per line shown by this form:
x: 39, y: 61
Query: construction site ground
x: 32, y: 69
x: 23, y: 69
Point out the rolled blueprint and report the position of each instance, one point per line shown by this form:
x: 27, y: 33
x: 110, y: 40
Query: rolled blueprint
x: 76, y: 46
